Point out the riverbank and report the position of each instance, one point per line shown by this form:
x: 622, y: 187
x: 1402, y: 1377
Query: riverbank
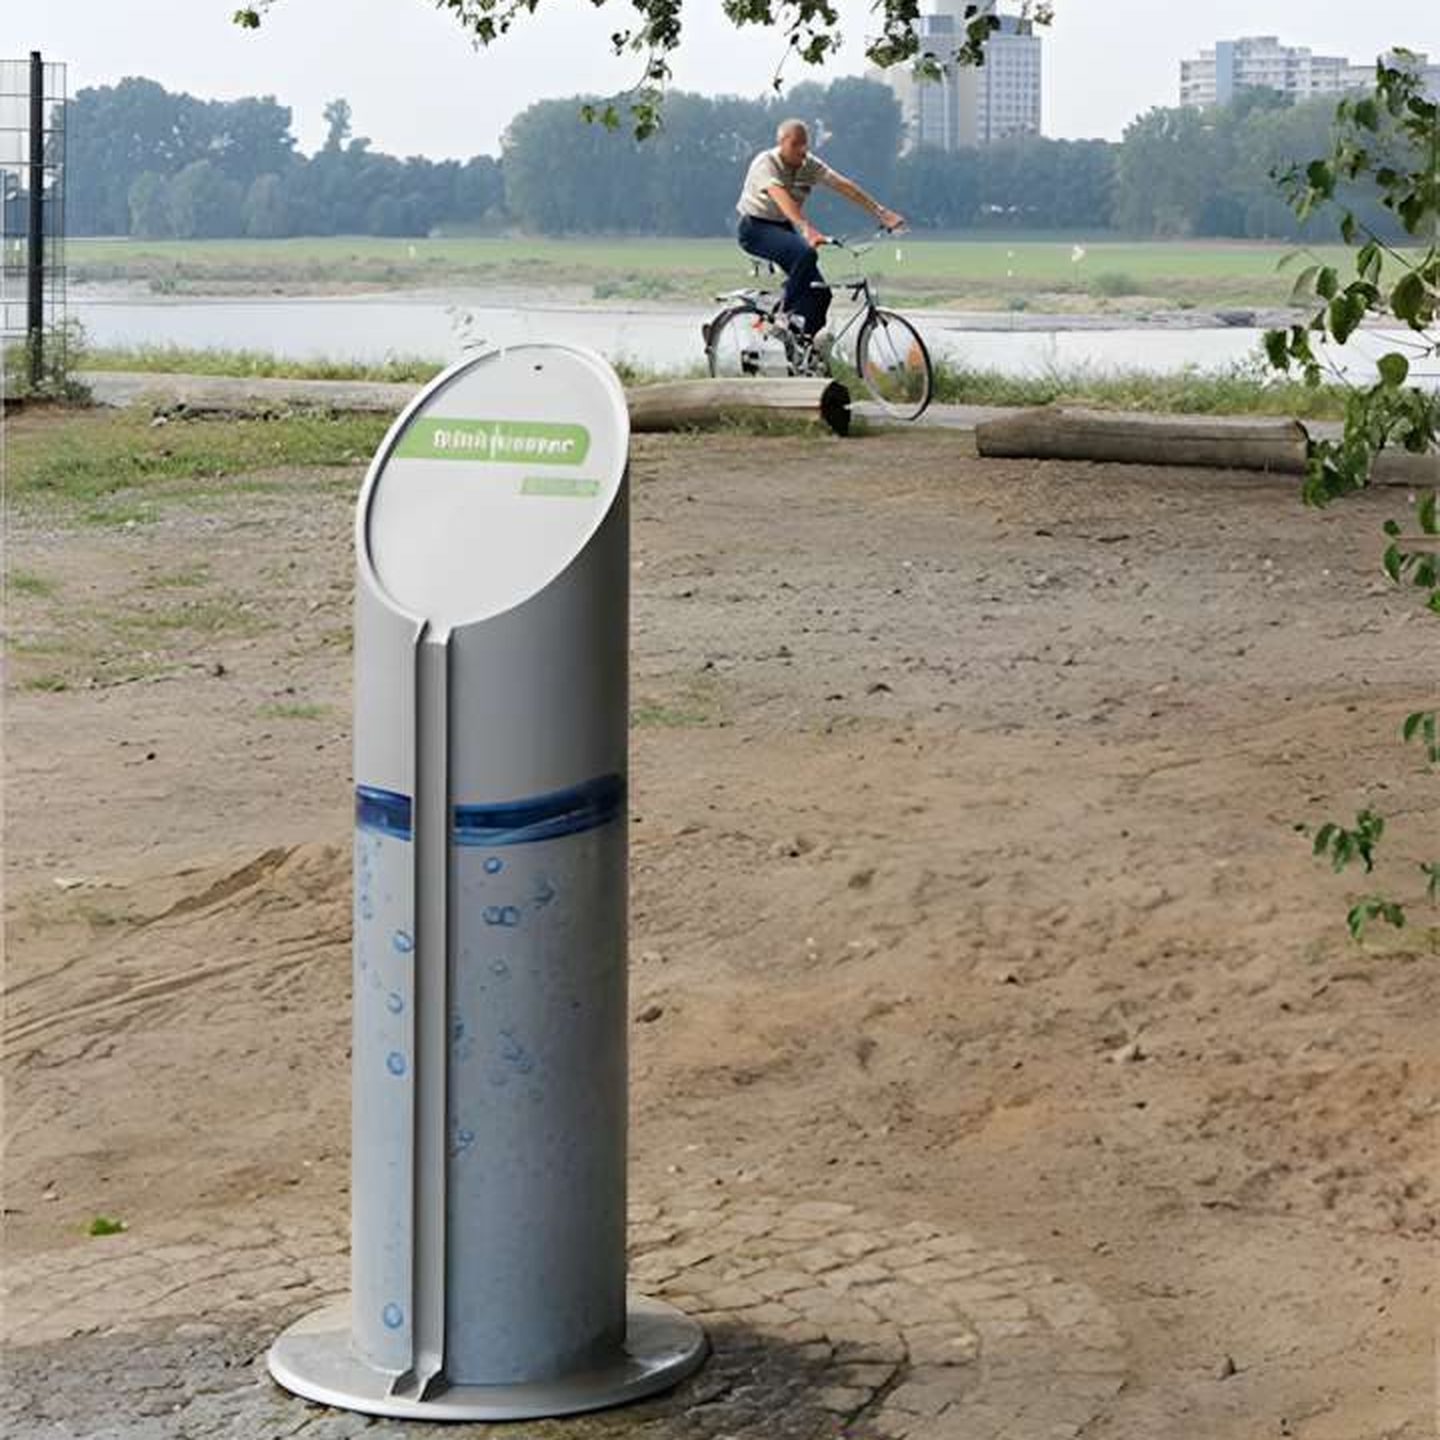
x: 1241, y: 389
x: 1012, y: 276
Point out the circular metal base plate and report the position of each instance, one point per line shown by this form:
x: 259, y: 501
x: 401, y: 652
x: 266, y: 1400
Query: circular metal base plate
x: 314, y: 1359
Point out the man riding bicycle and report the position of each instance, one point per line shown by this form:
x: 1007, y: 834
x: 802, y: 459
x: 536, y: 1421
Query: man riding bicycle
x: 773, y: 226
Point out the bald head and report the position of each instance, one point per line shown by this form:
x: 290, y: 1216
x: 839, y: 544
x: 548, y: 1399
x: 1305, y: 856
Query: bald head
x: 792, y: 140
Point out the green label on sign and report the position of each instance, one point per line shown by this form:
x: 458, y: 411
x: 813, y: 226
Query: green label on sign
x: 515, y: 442
x: 559, y: 485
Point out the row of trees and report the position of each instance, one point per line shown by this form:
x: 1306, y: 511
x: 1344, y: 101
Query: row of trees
x: 147, y: 162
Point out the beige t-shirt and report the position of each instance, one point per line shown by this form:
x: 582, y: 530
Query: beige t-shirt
x: 767, y: 169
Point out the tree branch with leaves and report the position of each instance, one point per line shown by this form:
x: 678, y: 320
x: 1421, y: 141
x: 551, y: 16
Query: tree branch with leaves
x: 811, y: 30
x: 1388, y: 139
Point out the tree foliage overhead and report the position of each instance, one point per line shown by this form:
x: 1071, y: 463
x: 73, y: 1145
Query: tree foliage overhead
x: 654, y: 30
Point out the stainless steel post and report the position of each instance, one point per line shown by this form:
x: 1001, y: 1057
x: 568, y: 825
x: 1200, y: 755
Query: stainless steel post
x: 489, y: 1057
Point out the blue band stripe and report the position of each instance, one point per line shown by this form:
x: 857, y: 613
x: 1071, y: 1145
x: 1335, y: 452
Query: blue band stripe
x: 383, y: 812
x: 541, y: 817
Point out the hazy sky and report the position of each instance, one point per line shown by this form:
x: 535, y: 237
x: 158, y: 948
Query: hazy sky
x: 417, y: 87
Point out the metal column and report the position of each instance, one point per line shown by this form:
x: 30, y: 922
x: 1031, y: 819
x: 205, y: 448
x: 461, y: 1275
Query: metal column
x: 35, y: 246
x: 489, y: 1065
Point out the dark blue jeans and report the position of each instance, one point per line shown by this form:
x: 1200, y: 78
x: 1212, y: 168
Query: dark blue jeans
x: 778, y: 241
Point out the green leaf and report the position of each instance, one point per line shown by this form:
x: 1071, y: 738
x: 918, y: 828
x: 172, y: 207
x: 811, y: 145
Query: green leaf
x: 1346, y: 313
x: 1413, y: 722
x: 1369, y: 261
x: 1366, y: 112
x: 1355, y: 921
x: 1407, y: 299
x: 105, y: 1225
x: 1327, y: 282
x: 1321, y: 176
x: 1304, y: 286
x: 1277, y: 349
x: 1374, y: 907
x: 1392, y: 528
x: 1394, y: 369
x: 1425, y: 514
x: 1347, y: 228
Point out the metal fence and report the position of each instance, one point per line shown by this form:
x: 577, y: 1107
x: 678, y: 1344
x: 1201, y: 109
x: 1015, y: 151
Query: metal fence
x: 32, y: 212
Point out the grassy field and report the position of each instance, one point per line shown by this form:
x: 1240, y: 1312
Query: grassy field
x: 984, y: 272
x: 113, y: 467
x: 1234, y: 390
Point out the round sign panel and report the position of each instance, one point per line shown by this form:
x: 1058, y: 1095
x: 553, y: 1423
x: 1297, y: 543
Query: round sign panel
x: 493, y: 481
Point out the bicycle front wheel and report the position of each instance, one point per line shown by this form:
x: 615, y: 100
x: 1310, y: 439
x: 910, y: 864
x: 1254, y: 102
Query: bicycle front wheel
x: 895, y: 365
x: 742, y: 341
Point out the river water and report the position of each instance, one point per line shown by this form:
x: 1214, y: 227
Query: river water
x: 442, y: 325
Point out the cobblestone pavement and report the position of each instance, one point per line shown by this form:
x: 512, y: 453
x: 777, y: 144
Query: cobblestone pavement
x: 825, y: 1321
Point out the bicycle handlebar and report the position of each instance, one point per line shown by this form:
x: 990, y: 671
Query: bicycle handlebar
x: 843, y: 242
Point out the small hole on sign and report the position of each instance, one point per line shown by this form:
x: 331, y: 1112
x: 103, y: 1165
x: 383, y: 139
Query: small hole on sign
x: 539, y: 367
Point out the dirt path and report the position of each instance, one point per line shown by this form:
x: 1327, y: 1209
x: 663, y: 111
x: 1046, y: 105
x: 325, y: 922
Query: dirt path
x: 964, y: 881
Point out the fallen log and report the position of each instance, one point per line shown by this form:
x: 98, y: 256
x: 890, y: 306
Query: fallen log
x: 1069, y: 432
x: 686, y: 404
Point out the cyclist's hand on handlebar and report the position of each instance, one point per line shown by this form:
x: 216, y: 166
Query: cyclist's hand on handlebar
x: 813, y: 238
x: 891, y: 220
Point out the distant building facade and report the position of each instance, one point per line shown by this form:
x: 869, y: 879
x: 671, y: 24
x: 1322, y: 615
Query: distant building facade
x: 1254, y: 62
x: 969, y: 104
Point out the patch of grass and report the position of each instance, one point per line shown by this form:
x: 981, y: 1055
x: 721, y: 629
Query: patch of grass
x: 654, y: 715
x: 50, y: 684
x: 696, y: 704
x: 1242, y: 389
x: 26, y: 582
x: 103, y: 467
x: 34, y: 645
x: 1114, y: 283
x: 293, y: 711
x: 115, y: 514
x: 106, y: 1225
x: 637, y: 372
x: 265, y: 364
x: 210, y: 615
x: 982, y: 268
x: 192, y: 577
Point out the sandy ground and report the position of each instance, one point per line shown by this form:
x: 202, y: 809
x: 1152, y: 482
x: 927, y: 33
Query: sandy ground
x: 964, y: 885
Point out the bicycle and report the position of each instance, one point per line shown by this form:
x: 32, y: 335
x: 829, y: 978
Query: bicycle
x: 752, y: 336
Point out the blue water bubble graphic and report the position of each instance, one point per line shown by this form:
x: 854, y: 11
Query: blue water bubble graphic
x: 395, y: 1063
x: 514, y: 1054
x: 402, y: 941
x: 494, y: 865
x: 394, y: 1002
x: 501, y: 915
x: 393, y: 1316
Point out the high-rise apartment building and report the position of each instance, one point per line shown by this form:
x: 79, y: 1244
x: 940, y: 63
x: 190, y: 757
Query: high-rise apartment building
x: 970, y: 104
x: 1262, y: 62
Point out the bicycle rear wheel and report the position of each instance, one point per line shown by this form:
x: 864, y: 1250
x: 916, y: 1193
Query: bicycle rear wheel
x: 742, y: 341
x: 895, y: 365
